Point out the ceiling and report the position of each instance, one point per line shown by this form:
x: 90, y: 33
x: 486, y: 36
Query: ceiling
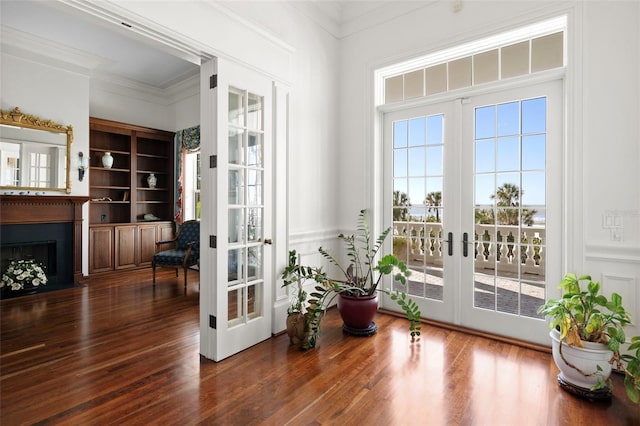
x: 107, y: 49
x: 103, y: 49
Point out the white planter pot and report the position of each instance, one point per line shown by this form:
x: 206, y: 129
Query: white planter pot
x: 586, y: 359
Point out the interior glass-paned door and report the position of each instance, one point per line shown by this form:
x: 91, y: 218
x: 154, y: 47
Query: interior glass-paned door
x: 236, y: 260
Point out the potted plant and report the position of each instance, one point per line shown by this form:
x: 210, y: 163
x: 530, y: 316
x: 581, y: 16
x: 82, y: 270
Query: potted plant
x: 358, y: 284
x: 23, y: 276
x: 305, y: 312
x: 587, y: 332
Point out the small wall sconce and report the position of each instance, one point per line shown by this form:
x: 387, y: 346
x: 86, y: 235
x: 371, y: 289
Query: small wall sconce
x: 83, y: 164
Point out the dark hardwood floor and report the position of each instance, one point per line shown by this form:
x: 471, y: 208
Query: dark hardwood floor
x: 118, y: 351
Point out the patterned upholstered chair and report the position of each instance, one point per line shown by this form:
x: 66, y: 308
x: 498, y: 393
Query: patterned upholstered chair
x: 186, y: 253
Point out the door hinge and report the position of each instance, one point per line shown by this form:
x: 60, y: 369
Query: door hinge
x: 213, y: 161
x: 213, y: 241
x: 212, y: 321
x: 213, y: 81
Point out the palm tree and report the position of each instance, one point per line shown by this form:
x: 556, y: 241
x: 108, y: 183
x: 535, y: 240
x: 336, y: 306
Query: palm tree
x: 400, y: 199
x: 508, y: 195
x: 507, y: 199
x: 433, y: 200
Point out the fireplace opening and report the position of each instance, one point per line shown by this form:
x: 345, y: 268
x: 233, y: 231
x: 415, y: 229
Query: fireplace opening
x: 48, y: 244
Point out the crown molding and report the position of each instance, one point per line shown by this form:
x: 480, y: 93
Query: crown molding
x: 30, y: 47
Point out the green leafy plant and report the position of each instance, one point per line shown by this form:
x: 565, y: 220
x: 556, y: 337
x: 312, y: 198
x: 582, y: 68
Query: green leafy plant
x: 23, y: 274
x: 585, y: 315
x: 361, y: 277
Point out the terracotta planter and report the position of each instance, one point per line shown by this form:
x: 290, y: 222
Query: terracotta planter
x: 358, y: 314
x: 298, y: 332
x: 587, y: 359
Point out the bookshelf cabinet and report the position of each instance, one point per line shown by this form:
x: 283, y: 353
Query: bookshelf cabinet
x: 127, y: 215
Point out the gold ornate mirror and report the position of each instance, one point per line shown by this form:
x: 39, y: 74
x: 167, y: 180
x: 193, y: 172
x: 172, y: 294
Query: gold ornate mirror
x: 35, y: 154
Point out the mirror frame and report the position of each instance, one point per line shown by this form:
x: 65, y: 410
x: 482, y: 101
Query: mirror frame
x: 17, y: 118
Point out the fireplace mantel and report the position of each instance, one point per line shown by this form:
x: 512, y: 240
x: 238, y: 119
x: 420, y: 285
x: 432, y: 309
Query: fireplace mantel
x: 16, y: 209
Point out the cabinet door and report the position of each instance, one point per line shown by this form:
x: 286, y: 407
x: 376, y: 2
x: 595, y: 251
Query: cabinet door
x: 125, y: 246
x: 165, y: 232
x: 101, y: 249
x: 147, y: 238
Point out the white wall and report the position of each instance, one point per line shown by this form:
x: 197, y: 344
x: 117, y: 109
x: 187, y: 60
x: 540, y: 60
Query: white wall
x: 603, y: 93
x: 50, y: 93
x: 275, y: 38
x: 132, y: 106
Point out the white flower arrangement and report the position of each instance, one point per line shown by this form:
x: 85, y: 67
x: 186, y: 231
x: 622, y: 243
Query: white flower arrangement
x: 23, y: 273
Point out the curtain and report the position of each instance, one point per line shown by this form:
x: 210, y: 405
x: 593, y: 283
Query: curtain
x: 186, y: 141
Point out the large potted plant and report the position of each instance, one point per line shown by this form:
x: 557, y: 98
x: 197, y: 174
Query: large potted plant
x: 587, y: 334
x: 357, y: 286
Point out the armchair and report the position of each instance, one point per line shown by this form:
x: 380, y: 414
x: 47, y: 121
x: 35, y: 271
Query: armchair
x: 186, y: 253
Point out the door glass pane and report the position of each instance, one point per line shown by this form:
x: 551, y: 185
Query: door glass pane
x: 254, y: 187
x: 254, y: 225
x: 254, y: 113
x: 254, y: 300
x: 236, y: 265
x: 510, y: 204
x: 254, y: 150
x: 417, y: 202
x: 255, y: 263
x: 236, y: 155
x: 236, y: 225
x: 235, y: 309
x: 236, y: 187
x: 236, y: 107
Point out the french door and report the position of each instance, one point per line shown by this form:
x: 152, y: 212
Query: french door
x: 236, y: 267
x: 475, y: 205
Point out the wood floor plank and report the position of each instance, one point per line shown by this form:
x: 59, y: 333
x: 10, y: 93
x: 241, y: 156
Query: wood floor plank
x: 119, y: 351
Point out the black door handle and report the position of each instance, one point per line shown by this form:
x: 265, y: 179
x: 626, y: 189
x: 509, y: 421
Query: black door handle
x: 465, y: 241
x: 450, y: 242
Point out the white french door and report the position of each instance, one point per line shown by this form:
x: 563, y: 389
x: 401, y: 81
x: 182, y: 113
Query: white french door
x: 475, y: 203
x: 236, y: 217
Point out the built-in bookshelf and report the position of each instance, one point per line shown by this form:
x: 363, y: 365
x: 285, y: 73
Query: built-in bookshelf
x: 121, y: 193
x: 127, y: 215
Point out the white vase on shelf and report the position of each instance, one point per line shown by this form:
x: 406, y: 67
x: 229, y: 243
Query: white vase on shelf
x: 107, y: 160
x: 152, y: 180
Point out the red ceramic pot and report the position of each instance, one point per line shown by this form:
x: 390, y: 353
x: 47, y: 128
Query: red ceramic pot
x: 358, y: 312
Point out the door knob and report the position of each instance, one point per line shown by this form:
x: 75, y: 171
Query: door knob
x: 449, y: 241
x: 268, y: 241
x: 465, y: 241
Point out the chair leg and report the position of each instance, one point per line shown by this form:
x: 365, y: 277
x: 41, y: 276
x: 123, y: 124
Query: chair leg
x: 185, y: 278
x: 153, y: 268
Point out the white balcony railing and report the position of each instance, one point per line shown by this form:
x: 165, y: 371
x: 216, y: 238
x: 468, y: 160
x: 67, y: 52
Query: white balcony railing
x: 505, y: 248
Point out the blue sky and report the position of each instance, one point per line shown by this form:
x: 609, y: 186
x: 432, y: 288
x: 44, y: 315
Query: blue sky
x: 509, y: 146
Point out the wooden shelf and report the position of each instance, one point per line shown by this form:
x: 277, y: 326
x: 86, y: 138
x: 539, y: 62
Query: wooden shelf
x: 164, y: 157
x: 110, y: 187
x: 109, y: 170
x: 112, y: 151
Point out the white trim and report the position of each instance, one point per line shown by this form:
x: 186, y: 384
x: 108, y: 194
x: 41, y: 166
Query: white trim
x: 612, y: 253
x: 500, y: 85
x: 172, y: 42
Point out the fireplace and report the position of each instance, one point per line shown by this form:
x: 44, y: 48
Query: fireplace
x: 47, y: 229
